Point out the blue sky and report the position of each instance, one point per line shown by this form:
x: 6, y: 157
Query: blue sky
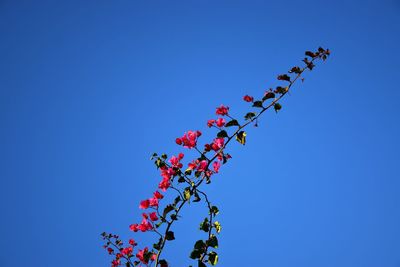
x: 90, y: 89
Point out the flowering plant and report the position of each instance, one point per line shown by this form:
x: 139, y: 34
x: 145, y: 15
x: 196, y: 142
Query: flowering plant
x: 187, y: 181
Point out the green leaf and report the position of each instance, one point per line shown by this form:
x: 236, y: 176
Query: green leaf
x: 201, y: 264
x: 284, y: 77
x: 205, y: 225
x: 222, y: 134
x: 241, y: 137
x: 277, y: 107
x: 281, y: 90
x: 258, y: 104
x: 268, y: 95
x: 153, y: 156
x: 157, y: 245
x: 195, y: 254
x: 232, y: 123
x: 163, y: 262
x: 295, y: 69
x: 164, y: 156
x: 168, y: 209
x: 181, y: 179
x: 310, y: 54
x: 249, y: 116
x: 217, y: 226
x: 170, y: 235
x: 200, y: 245
x: 214, y: 210
x: 213, y: 258
x: 187, y: 193
x: 188, y: 171
x: 213, y: 241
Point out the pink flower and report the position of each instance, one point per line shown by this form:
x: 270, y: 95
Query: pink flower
x: 153, y: 202
x: 145, y: 225
x: 216, y: 166
x: 218, y: 143
x: 141, y: 255
x: 222, y: 110
x: 210, y: 123
x: 175, y: 161
x: 158, y: 195
x: 153, y: 216
x: 202, y: 166
x: 193, y: 165
x: 189, y: 139
x: 220, y: 122
x: 153, y: 257
x: 167, y: 172
x: 164, y: 184
x: 127, y: 251
x: 144, y: 204
x: 248, y: 98
x: 134, y: 227
x: 207, y: 147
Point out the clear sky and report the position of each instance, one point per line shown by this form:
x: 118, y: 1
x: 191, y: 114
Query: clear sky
x: 90, y: 89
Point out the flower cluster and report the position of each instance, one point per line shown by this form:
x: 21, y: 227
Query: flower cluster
x: 222, y: 110
x: 220, y: 122
x: 145, y: 225
x: 189, y: 139
x: 199, y: 169
x: 119, y: 251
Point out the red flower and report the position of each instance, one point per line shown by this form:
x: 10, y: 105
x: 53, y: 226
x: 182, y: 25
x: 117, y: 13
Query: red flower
x: 153, y: 216
x: 202, y: 166
x: 210, y: 123
x: 207, y: 147
x: 145, y: 225
x: 132, y: 242
x: 110, y: 251
x: 216, y: 166
x: 167, y: 172
x: 248, y: 98
x: 164, y: 184
x: 175, y: 161
x: 153, y: 257
x: 222, y: 110
x: 153, y: 202
x: 134, y: 227
x: 189, y: 139
x: 115, y: 263
x: 193, y: 165
x: 220, y: 122
x: 158, y: 195
x: 218, y: 143
x: 141, y: 255
x: 144, y: 204
x: 127, y: 251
